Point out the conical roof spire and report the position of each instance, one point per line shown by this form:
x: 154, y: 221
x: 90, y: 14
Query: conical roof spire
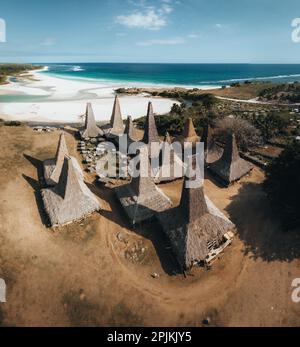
x: 141, y: 199
x: 70, y: 199
x: 212, y: 152
x: 61, y: 152
x: 144, y: 182
x: 129, y: 128
x: 231, y: 152
x: 195, y: 227
x: 192, y: 203
x: 116, y: 122
x: 167, y: 146
x: 231, y: 167
x: 151, y: 134
x: 90, y: 129
x: 189, y: 132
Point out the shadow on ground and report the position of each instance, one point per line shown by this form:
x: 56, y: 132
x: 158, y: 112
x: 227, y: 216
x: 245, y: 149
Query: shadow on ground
x: 149, y: 230
x: 259, y: 228
x: 37, y: 185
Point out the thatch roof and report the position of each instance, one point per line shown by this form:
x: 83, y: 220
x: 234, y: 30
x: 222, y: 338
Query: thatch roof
x: 171, y: 166
x: 91, y: 129
x: 116, y: 121
x: 193, y: 226
x: 70, y: 199
x: 212, y: 152
x: 52, y: 167
x: 129, y: 130
x: 231, y: 167
x: 141, y: 199
x: 151, y: 133
x: 189, y: 132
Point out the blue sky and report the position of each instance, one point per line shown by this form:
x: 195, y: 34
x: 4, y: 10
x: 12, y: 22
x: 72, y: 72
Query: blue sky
x: 195, y: 31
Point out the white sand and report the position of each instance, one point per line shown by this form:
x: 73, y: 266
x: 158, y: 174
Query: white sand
x: 66, y: 100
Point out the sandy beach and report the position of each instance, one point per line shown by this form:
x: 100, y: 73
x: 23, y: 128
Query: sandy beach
x: 53, y: 99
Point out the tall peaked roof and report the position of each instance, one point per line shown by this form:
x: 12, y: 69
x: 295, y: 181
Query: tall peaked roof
x: 129, y: 128
x: 189, y: 132
x: 116, y: 122
x: 91, y: 129
x: 193, y: 226
x: 61, y: 152
x: 70, y: 199
x: 151, y: 134
x: 231, y: 167
x: 212, y: 152
x: 141, y: 199
x: 192, y: 204
x: 52, y: 167
x: 143, y: 183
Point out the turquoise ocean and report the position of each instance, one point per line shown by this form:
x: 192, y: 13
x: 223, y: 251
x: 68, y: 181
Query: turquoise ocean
x: 192, y: 75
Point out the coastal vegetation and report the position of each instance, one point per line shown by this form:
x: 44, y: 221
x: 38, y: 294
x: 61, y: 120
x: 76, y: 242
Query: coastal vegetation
x: 283, y: 93
x: 247, y: 136
x: 238, y: 90
x: 14, y: 70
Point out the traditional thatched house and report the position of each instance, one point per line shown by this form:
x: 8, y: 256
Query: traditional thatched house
x: 197, y: 230
x: 115, y: 127
x: 128, y: 138
x: 151, y: 135
x: 90, y: 129
x: 70, y: 199
x: 171, y: 166
x: 141, y: 199
x: 52, y: 167
x: 212, y: 152
x: 230, y: 167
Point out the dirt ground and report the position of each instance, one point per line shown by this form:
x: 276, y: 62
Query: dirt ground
x: 98, y: 272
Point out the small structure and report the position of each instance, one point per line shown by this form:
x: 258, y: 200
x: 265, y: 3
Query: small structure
x: 141, y: 199
x: 197, y: 230
x: 230, y: 167
x: 212, y: 152
x: 70, y: 200
x: 151, y: 133
x: 189, y: 132
x: 52, y: 167
x: 90, y: 129
x: 115, y: 127
x: 171, y: 166
x: 129, y: 130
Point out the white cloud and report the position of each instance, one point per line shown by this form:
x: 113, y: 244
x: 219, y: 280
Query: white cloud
x: 48, y: 41
x: 163, y: 42
x: 147, y: 20
x: 193, y: 36
x: 167, y: 9
x: 147, y: 17
x: 220, y: 26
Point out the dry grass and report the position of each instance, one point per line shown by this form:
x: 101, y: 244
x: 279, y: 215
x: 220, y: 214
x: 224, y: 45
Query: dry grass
x: 79, y: 276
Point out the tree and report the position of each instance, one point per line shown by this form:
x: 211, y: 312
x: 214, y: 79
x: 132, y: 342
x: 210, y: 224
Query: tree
x: 246, y: 134
x: 208, y: 100
x: 283, y: 185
